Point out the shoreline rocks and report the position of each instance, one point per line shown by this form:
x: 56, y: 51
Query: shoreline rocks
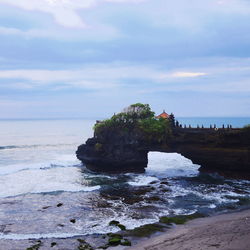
x: 225, y: 231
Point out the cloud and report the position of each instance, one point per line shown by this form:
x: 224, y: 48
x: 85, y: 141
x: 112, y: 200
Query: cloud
x: 157, y: 51
x: 100, y: 76
x: 188, y: 74
x: 105, y: 33
x: 139, y: 78
x: 125, y: 1
x: 65, y: 12
x: 91, y: 77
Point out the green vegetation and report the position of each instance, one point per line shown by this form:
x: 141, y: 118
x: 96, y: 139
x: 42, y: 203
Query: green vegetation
x: 145, y: 230
x: 138, y: 117
x: 129, y: 117
x: 180, y: 219
x: 36, y: 246
x: 114, y: 241
x: 122, y: 227
x: 125, y: 242
x: 149, y: 229
x: 154, y: 128
x: 84, y: 245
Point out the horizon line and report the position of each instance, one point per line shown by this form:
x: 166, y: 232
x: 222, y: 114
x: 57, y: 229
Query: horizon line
x: 97, y: 118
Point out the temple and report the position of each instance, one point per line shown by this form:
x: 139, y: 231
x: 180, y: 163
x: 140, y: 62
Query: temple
x: 163, y: 115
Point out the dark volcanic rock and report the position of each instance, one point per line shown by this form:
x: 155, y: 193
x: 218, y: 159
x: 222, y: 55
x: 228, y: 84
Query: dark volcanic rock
x: 222, y: 151
x: 125, y: 150
x: 114, y: 151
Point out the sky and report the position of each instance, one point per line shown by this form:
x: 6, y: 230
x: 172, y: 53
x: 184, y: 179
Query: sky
x: 91, y: 58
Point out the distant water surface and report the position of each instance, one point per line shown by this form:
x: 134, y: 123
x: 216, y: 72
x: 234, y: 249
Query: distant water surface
x: 236, y: 122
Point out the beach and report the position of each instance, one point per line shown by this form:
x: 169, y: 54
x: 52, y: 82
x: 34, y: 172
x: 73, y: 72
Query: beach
x: 224, y: 232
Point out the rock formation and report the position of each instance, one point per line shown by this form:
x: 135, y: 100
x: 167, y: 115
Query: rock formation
x: 122, y: 145
x: 226, y: 151
x: 114, y: 151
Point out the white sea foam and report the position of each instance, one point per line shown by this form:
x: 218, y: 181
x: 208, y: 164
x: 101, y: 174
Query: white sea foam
x: 142, y: 180
x: 212, y: 206
x: 44, y: 180
x: 37, y: 236
x: 24, y: 147
x: 182, y: 211
x: 165, y: 165
x: 57, y: 161
x: 170, y: 165
x: 101, y: 228
x: 218, y: 197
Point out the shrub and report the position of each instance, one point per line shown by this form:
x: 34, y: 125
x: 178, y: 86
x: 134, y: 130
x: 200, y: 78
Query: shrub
x: 137, y: 116
x: 155, y: 129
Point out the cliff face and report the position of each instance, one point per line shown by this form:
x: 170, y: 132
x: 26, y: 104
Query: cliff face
x: 114, y: 150
x: 223, y: 151
x: 121, y: 150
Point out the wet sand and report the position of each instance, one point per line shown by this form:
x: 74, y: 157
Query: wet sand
x: 227, y: 231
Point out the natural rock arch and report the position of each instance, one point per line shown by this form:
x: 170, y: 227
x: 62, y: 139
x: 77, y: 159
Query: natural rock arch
x: 122, y: 143
x: 213, y: 150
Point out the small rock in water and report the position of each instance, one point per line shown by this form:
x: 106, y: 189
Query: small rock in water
x: 73, y: 220
x: 53, y: 244
x: 164, y: 183
x: 46, y: 207
x: 114, y: 223
x: 84, y: 245
x: 59, y: 204
x: 153, y: 182
x: 117, y: 224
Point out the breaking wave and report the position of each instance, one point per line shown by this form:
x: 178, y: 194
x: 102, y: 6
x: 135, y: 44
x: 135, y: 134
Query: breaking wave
x: 33, y: 146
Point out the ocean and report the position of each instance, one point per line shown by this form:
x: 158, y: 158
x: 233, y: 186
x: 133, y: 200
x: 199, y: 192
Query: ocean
x: 43, y: 187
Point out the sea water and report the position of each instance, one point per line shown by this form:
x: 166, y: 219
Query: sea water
x: 43, y: 186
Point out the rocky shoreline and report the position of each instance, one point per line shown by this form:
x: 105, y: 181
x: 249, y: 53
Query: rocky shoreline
x: 224, y: 232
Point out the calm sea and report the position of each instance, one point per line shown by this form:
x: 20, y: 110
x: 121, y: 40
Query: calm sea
x: 236, y: 122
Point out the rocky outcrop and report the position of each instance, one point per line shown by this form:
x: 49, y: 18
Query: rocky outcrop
x: 223, y: 151
x: 114, y: 150
x: 122, y: 150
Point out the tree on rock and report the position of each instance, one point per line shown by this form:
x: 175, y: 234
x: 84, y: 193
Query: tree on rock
x: 139, y: 111
x: 138, y: 118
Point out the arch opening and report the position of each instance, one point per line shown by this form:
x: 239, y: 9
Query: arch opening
x: 170, y: 164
